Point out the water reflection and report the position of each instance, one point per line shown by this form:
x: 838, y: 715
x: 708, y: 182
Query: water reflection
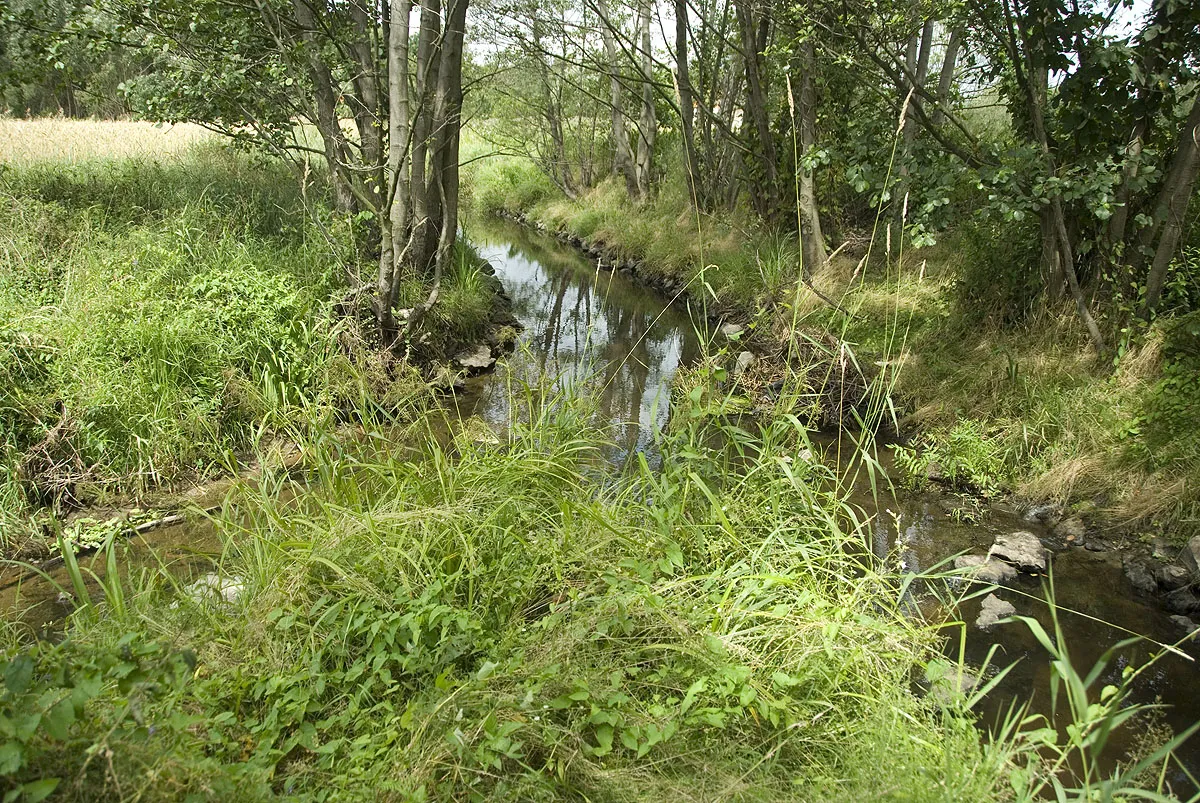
x: 587, y: 332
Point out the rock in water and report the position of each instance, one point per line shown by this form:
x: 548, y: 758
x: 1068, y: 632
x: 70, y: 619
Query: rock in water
x: 1140, y: 577
x: 478, y: 358
x: 992, y: 610
x: 1172, y: 576
x: 1071, y: 529
x: 949, y: 683
x: 1183, y: 601
x: 1186, y: 623
x: 1021, y: 549
x: 985, y: 569
x: 1191, y: 555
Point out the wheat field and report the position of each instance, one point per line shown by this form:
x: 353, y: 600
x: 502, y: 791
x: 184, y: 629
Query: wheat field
x: 70, y: 141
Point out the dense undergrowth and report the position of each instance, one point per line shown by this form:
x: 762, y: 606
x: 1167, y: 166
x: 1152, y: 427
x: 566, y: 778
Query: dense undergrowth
x: 995, y: 404
x: 160, y: 315
x: 478, y: 622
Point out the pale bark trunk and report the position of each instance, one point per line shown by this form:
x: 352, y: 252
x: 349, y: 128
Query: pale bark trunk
x: 333, y: 140
x: 622, y: 155
x: 946, y: 76
x: 1172, y: 206
x: 395, y: 223
x: 647, y: 124
x: 812, y: 240
x: 917, y: 64
x: 687, y: 105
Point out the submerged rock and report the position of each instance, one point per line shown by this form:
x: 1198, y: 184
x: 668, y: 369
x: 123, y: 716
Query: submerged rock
x: 985, y: 569
x: 992, y: 610
x: 1139, y: 576
x: 1172, y: 576
x: 1022, y: 549
x: 1191, y: 555
x: 1186, y: 623
x: 477, y: 358
x: 950, y: 683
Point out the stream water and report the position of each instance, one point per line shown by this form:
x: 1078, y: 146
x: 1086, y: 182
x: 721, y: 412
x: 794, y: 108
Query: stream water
x: 598, y: 331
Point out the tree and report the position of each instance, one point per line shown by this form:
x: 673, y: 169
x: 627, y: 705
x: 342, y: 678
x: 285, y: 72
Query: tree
x: 254, y: 70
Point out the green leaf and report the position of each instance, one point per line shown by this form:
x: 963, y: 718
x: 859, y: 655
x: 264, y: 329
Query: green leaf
x: 59, y: 719
x: 39, y: 789
x: 604, y: 738
x: 10, y: 757
x: 18, y: 674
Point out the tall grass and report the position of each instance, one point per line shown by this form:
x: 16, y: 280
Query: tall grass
x: 482, y: 623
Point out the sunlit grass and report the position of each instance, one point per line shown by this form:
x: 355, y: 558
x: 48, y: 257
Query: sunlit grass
x: 66, y: 141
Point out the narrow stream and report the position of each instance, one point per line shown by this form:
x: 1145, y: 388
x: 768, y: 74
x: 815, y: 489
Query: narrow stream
x: 586, y: 326
x: 621, y: 343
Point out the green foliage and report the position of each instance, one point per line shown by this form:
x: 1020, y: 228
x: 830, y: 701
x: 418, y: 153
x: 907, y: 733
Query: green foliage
x: 999, y: 277
x: 154, y: 314
x: 967, y: 456
x: 506, y: 184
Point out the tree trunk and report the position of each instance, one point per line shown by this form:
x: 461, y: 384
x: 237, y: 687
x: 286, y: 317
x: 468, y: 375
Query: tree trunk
x: 765, y: 201
x: 647, y: 124
x: 917, y: 67
x: 946, y: 75
x: 687, y: 105
x: 812, y: 241
x: 622, y: 155
x: 395, y: 223
x: 425, y: 203
x: 333, y: 140
x: 1172, y: 206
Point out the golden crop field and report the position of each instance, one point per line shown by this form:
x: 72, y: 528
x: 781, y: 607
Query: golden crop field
x: 62, y: 140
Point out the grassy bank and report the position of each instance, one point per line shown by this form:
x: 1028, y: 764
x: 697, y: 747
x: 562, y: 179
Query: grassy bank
x: 481, y: 623
x: 166, y: 308
x: 994, y: 406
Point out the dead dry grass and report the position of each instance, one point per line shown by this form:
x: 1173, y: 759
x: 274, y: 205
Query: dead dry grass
x: 71, y: 141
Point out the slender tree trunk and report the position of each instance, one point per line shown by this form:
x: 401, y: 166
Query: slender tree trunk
x: 425, y: 203
x: 946, y: 75
x: 647, y: 124
x: 622, y: 155
x: 917, y: 64
x: 750, y: 30
x: 395, y: 224
x: 1058, y: 218
x: 687, y: 105
x: 812, y: 240
x: 1120, y: 217
x: 1172, y: 206
x: 333, y: 140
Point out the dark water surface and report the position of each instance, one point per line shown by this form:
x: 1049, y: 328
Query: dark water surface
x: 598, y: 334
